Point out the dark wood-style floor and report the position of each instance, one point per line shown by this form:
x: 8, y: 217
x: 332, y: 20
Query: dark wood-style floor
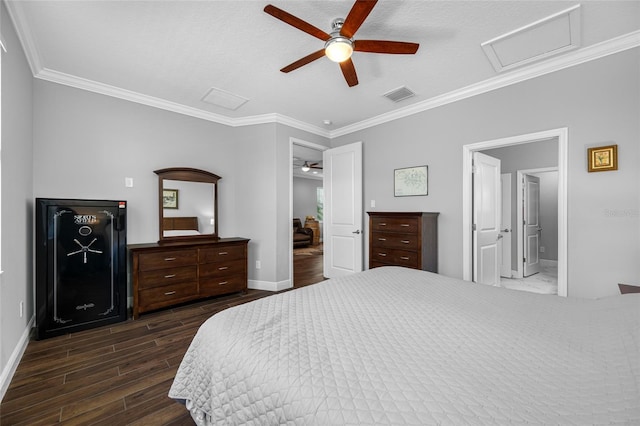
x: 120, y: 374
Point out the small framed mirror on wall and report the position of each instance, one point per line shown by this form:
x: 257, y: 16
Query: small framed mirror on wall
x: 187, y: 204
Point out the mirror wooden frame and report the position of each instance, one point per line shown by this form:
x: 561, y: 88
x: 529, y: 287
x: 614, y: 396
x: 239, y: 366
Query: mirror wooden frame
x: 188, y: 175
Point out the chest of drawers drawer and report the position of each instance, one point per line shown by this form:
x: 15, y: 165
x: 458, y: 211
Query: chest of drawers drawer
x: 221, y: 254
x: 161, y: 277
x: 160, y: 297
x: 395, y: 257
x: 222, y: 269
x: 220, y: 285
x: 167, y: 259
x: 394, y: 224
x: 394, y: 240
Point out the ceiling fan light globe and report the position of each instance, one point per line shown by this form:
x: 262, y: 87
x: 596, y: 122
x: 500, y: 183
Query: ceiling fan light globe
x: 338, y: 49
x: 305, y: 168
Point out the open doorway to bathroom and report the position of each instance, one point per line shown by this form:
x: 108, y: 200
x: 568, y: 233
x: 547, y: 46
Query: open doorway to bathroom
x: 307, y: 202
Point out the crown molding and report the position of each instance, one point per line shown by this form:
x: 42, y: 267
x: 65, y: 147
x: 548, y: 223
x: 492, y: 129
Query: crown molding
x: 577, y: 57
x: 24, y: 35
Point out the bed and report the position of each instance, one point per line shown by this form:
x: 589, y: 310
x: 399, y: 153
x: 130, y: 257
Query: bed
x: 180, y: 226
x: 400, y: 346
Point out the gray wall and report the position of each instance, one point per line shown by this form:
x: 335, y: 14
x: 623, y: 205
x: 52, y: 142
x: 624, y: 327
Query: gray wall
x: 86, y: 144
x: 305, y: 199
x: 522, y: 157
x: 17, y: 193
x: 598, y: 102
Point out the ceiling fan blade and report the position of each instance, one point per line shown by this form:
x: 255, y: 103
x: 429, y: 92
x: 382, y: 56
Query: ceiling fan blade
x: 296, y: 22
x: 384, y: 46
x: 303, y: 61
x: 356, y: 17
x: 349, y: 72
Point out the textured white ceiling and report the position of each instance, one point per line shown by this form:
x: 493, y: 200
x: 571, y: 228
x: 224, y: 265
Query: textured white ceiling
x: 178, y: 50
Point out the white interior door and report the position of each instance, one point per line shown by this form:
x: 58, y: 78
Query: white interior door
x: 486, y: 219
x: 505, y: 225
x: 343, y: 230
x: 532, y: 229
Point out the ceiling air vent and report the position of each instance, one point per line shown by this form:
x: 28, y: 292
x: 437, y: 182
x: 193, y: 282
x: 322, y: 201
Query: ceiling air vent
x: 224, y: 99
x: 399, y: 94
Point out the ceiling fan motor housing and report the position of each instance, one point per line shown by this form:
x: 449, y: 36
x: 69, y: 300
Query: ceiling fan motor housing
x: 338, y: 48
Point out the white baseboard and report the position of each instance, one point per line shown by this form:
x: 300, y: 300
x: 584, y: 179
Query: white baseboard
x: 269, y: 285
x: 13, y: 362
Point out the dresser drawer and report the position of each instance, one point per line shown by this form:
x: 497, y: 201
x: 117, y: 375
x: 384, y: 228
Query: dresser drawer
x: 395, y: 224
x: 215, y: 286
x: 160, y: 297
x: 167, y: 259
x: 218, y: 254
x: 395, y: 257
x: 222, y: 269
x: 392, y: 240
x: 160, y: 277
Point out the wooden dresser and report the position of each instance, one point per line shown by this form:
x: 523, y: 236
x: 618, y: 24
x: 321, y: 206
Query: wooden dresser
x: 403, y: 239
x: 164, y: 275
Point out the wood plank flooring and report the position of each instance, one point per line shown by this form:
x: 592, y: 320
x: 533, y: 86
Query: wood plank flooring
x: 119, y: 374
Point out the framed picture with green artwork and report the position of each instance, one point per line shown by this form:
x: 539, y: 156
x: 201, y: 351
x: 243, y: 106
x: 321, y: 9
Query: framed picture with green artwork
x: 411, y: 181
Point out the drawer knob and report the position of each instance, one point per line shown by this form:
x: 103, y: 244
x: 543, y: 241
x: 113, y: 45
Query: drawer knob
x: 223, y: 283
x: 405, y: 241
x: 404, y: 224
x: 223, y: 253
x: 170, y: 276
x: 169, y: 259
x: 382, y: 254
x: 169, y: 293
x: 382, y: 239
x: 383, y: 224
x: 222, y: 268
x: 404, y: 258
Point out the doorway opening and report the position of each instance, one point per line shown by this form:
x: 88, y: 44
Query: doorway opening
x: 559, y: 135
x: 306, y: 213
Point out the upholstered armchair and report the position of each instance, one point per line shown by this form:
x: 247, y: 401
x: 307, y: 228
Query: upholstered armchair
x: 301, y: 236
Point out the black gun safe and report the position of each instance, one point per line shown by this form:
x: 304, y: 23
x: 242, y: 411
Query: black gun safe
x: 81, y: 265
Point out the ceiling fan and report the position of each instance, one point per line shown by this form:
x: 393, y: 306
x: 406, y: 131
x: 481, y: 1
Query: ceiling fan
x: 339, y: 44
x: 308, y: 166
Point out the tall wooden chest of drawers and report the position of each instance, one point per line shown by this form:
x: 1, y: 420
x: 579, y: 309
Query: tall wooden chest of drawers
x: 164, y: 275
x: 407, y: 239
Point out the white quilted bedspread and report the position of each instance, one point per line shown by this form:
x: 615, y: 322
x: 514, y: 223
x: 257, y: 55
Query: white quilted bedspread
x: 399, y: 346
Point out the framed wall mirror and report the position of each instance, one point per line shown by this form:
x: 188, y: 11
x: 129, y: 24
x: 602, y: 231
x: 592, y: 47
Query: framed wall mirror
x: 187, y: 204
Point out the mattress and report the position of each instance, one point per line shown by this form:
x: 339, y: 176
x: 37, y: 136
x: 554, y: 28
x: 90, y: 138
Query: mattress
x: 399, y: 346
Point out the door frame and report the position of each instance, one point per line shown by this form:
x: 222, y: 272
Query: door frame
x: 520, y: 216
x: 505, y: 192
x: 562, y: 135
x: 316, y: 146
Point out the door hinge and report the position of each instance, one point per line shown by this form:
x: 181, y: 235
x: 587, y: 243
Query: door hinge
x: 474, y: 227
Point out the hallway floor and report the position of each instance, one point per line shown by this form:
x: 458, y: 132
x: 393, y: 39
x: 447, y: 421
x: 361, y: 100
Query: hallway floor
x: 544, y: 282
